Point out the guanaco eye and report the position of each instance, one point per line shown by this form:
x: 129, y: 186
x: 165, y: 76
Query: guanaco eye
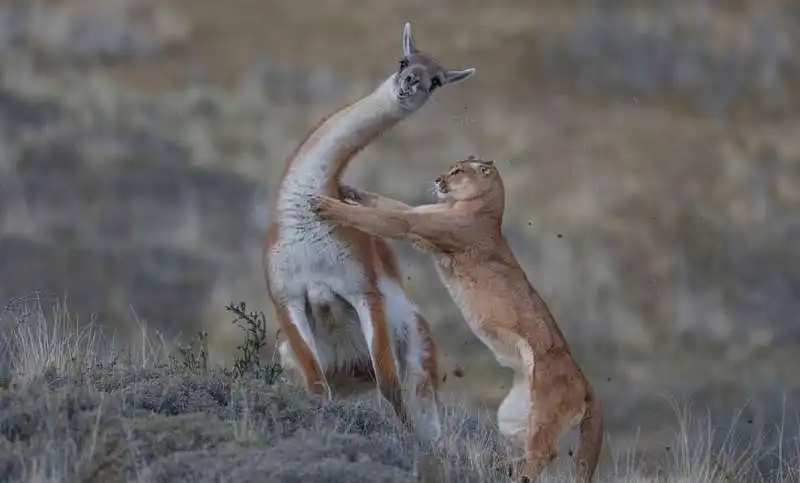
x: 485, y: 170
x: 403, y: 63
x: 435, y: 82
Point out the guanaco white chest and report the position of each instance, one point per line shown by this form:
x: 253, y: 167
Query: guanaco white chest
x: 308, y: 258
x: 310, y: 265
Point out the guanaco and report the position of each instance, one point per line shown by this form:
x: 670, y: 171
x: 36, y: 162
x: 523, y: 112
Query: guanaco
x: 550, y: 394
x: 337, y: 292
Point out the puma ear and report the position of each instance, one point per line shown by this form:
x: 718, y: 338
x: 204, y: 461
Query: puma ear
x: 486, y: 167
x: 454, y: 76
x: 408, y: 42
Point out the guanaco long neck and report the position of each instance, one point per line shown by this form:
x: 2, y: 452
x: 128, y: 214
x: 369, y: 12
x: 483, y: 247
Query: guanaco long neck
x: 320, y: 161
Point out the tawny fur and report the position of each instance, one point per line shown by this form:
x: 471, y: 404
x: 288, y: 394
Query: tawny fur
x: 337, y: 292
x: 550, y: 394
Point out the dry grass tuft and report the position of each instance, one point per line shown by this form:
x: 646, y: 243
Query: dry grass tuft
x: 40, y: 344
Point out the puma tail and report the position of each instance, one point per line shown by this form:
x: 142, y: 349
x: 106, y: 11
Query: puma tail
x: 590, y: 439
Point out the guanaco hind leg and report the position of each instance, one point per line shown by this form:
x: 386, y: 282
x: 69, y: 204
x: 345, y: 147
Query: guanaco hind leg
x: 423, y: 380
x: 295, y: 325
x: 374, y: 325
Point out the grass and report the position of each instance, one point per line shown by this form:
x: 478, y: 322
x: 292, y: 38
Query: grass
x: 43, y: 344
x: 179, y: 419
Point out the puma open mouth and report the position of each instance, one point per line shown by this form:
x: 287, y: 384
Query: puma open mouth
x: 407, y: 91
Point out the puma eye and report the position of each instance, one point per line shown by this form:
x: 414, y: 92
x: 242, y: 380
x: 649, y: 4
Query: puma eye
x: 435, y: 82
x: 485, y: 170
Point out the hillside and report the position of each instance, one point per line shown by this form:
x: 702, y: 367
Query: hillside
x: 75, y: 410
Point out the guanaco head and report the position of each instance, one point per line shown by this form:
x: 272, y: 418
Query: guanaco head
x: 470, y: 179
x: 419, y: 75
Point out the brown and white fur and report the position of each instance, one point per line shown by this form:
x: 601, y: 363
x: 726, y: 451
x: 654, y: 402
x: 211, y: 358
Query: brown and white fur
x: 338, y: 292
x: 550, y: 394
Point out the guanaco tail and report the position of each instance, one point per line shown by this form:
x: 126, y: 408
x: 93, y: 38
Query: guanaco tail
x: 338, y: 292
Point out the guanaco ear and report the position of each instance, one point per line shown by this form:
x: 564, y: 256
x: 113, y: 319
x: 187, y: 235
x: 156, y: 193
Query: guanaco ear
x: 408, y: 42
x: 454, y: 76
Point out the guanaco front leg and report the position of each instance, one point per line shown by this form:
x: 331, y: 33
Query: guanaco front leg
x: 294, y: 323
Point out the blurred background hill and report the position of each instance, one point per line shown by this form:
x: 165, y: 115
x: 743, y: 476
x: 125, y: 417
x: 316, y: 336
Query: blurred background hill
x: 650, y: 151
